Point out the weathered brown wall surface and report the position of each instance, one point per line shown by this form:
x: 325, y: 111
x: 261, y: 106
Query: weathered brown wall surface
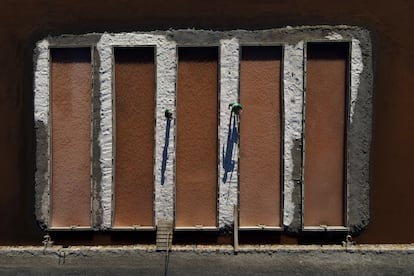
x: 196, y: 167
x: 325, y: 134
x: 134, y: 100
x: 260, y: 136
x: 22, y: 23
x: 71, y: 78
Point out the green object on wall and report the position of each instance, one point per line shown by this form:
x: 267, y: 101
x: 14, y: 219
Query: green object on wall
x: 236, y: 108
x: 168, y: 114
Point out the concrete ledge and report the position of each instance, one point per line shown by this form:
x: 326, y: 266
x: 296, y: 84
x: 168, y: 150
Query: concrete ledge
x: 83, y: 251
x: 209, y: 260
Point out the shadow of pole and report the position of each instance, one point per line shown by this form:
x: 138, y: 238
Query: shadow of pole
x: 229, y: 160
x: 165, y: 151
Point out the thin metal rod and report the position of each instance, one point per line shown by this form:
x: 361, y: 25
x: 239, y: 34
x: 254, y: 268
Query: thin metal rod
x: 167, y: 254
x: 236, y: 229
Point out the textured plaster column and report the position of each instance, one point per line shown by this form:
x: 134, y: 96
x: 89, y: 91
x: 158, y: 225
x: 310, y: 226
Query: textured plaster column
x: 228, y: 131
x: 106, y: 131
x: 41, y: 117
x: 164, y: 169
x: 293, y: 102
x: 359, y: 131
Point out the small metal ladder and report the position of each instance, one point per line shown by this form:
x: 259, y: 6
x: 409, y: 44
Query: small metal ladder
x: 164, y: 236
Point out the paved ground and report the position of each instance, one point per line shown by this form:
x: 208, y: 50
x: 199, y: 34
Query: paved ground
x: 132, y: 261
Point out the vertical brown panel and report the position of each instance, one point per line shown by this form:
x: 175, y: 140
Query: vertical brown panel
x: 260, y: 134
x: 134, y: 97
x: 326, y: 92
x: 196, y: 169
x: 71, y: 78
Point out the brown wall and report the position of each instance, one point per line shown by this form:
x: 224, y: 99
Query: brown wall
x: 260, y: 136
x: 134, y: 140
x: 326, y: 92
x: 23, y: 22
x: 196, y: 157
x: 71, y: 92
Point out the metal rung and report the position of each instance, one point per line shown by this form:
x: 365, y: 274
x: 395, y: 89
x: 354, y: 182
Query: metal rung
x: 196, y: 228
x: 164, y: 236
x: 322, y: 228
x: 260, y: 227
x: 134, y: 228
